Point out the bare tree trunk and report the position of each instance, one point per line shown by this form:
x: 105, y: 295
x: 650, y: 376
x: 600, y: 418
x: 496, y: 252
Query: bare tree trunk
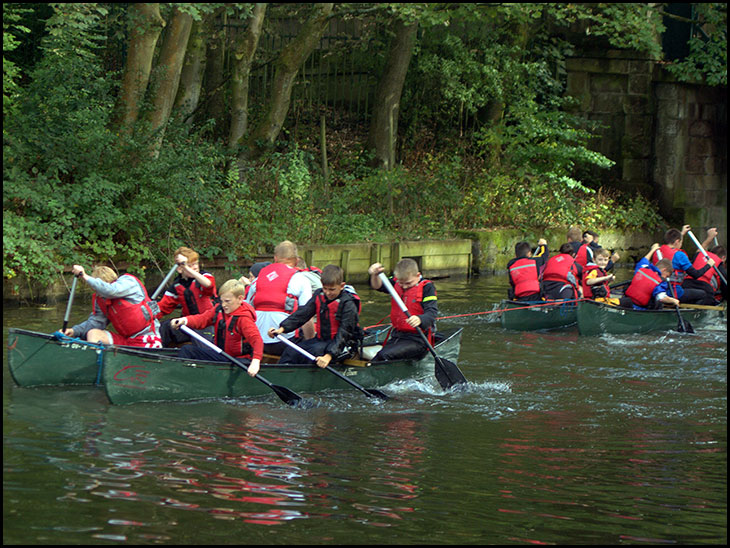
x: 243, y: 52
x: 384, y: 124
x: 167, y: 74
x: 191, y: 77
x: 146, y: 24
x: 287, y: 67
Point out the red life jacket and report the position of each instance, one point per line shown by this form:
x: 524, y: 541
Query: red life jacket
x: 710, y: 277
x: 589, y: 289
x: 664, y: 252
x: 413, y: 299
x: 227, y: 336
x: 271, y: 285
x: 524, y: 275
x: 558, y: 268
x: 328, y: 319
x: 581, y: 256
x: 128, y: 318
x: 642, y: 286
x: 193, y: 298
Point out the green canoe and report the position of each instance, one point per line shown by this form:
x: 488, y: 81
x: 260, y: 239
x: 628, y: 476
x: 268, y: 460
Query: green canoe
x: 131, y: 376
x: 40, y: 359
x: 134, y: 374
x: 596, y: 318
x: 537, y: 315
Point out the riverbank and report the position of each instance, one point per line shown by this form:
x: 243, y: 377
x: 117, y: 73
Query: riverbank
x: 471, y: 252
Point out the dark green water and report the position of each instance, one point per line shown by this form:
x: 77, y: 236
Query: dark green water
x: 557, y: 440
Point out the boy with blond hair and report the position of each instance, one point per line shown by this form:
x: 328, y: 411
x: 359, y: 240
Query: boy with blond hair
x: 234, y: 322
x: 121, y: 301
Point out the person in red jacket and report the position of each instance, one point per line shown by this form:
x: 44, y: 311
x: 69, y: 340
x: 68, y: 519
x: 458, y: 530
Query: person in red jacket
x: 708, y: 289
x: 524, y: 271
x: 193, y: 290
x: 419, y: 296
x: 234, y: 321
x: 595, y: 279
x: 561, y: 276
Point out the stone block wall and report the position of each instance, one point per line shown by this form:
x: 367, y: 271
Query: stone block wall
x: 668, y: 139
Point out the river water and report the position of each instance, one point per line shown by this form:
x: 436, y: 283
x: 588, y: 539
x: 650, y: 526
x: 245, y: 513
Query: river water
x: 558, y: 439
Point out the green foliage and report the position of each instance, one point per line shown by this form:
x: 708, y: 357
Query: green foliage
x: 485, y: 95
x: 708, y: 47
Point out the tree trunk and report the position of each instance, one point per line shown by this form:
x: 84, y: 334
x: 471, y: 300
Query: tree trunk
x: 243, y: 52
x: 146, y: 24
x: 191, y: 77
x: 167, y: 74
x: 384, y: 124
x: 215, y: 70
x: 287, y: 67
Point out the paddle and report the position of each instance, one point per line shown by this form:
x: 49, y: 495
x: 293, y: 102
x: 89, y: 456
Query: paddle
x: 368, y: 392
x: 699, y: 246
x: 287, y: 396
x: 68, y: 306
x: 164, y: 282
x: 619, y: 284
x: 447, y: 373
x: 684, y: 326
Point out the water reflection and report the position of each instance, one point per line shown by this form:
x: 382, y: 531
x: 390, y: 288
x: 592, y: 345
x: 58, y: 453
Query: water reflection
x: 556, y: 439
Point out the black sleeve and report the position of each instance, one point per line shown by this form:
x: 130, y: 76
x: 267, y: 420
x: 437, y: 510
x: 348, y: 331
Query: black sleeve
x: 301, y: 315
x: 430, y: 306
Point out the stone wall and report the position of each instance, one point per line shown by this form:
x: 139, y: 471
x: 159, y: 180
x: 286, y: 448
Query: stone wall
x: 690, y: 150
x: 668, y: 139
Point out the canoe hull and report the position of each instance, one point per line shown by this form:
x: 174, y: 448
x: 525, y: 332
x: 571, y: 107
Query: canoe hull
x: 131, y: 377
x: 520, y: 316
x: 37, y: 359
x: 599, y: 318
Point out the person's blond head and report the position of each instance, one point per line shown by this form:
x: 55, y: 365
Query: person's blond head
x: 104, y: 273
x: 234, y: 287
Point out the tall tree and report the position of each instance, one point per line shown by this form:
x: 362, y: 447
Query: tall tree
x: 167, y: 76
x: 287, y: 67
x: 191, y: 76
x: 243, y: 53
x: 384, y: 124
x: 145, y: 24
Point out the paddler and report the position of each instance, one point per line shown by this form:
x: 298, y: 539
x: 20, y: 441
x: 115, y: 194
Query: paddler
x: 122, y: 301
x: 419, y: 296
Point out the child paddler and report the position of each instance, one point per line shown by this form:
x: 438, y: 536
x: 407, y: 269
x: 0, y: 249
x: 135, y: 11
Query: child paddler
x: 234, y: 321
x: 193, y: 290
x: 121, y: 301
x: 336, y: 307
x: 419, y: 296
x: 524, y: 271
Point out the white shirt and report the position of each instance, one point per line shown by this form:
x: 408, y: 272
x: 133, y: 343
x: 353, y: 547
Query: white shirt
x: 299, y: 287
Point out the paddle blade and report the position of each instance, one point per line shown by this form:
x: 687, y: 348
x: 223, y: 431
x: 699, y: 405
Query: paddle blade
x: 377, y: 393
x: 447, y: 373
